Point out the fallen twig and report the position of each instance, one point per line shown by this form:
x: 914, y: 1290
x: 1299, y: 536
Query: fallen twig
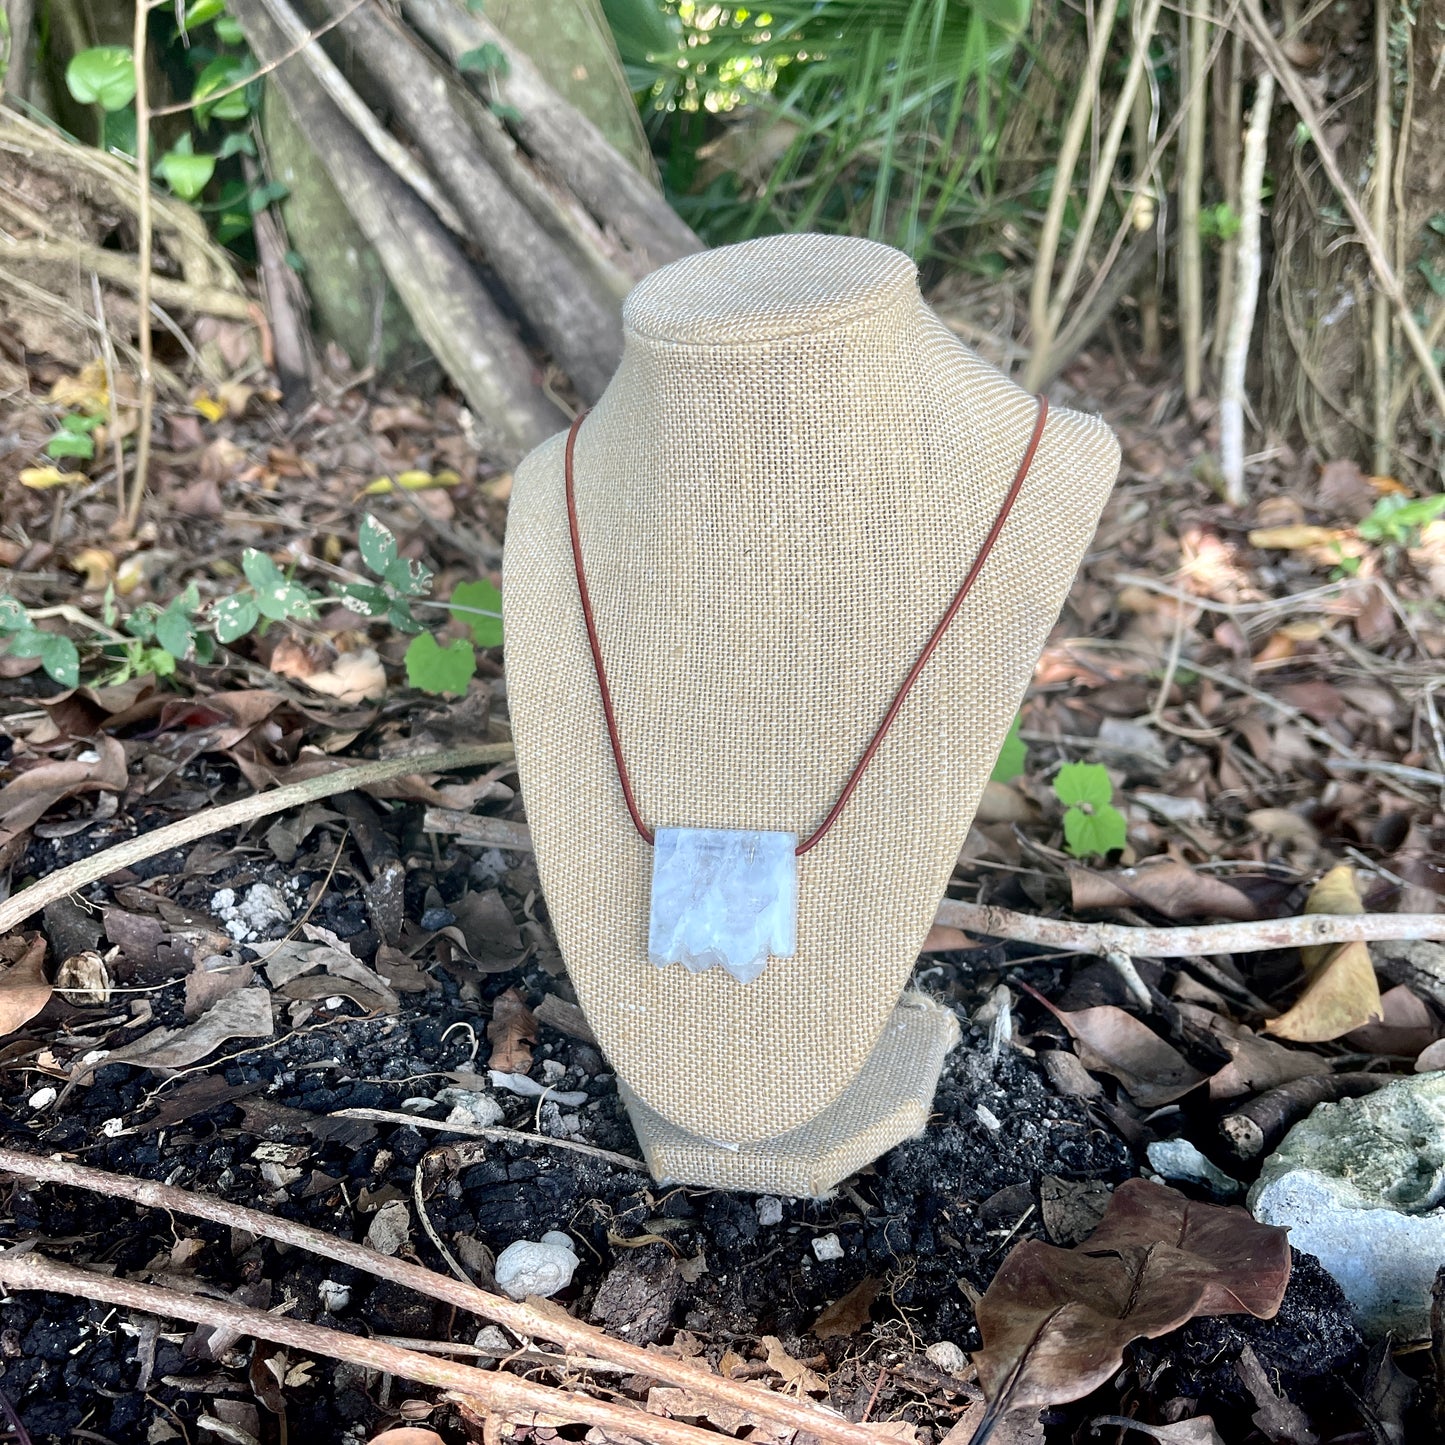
x: 497, y: 1390
x: 1102, y: 939
x: 1208, y: 938
x: 1259, y: 1125
x: 529, y: 1320
x: 477, y: 1131
x: 63, y: 881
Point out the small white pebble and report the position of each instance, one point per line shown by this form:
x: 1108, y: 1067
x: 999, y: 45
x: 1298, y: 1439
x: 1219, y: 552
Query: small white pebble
x: 562, y: 1241
x: 493, y: 1341
x: 948, y: 1357
x: 334, y: 1295
x: 222, y: 899
x: 113, y: 1128
x: 987, y: 1117
x: 826, y: 1247
x: 43, y: 1098
x: 770, y: 1211
x: 471, y: 1109
x: 528, y: 1268
x: 552, y: 1071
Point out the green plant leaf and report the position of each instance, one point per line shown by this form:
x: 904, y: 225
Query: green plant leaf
x: 366, y: 600
x: 434, y: 668
x: 229, y: 32
x: 479, y: 605
x: 1011, y: 755
x: 186, y: 173
x: 398, y: 613
x: 104, y: 75
x: 237, y: 143
x: 57, y: 654
x: 70, y: 444
x: 220, y: 74
x: 377, y: 545
x: 484, y: 60
x: 1083, y: 783
x: 407, y: 578
x: 261, y: 572
x: 13, y: 617
x: 117, y: 132
x: 234, y: 617
x: 1098, y: 831
x: 79, y: 423
x: 202, y: 12
x: 174, y: 631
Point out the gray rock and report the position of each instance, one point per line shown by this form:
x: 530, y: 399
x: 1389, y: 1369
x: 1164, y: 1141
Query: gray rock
x: 1359, y: 1185
x: 1179, y: 1159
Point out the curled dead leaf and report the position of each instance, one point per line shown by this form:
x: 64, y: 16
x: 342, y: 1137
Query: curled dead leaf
x: 511, y: 1033
x: 1111, y: 1041
x: 1342, y: 992
x: 1168, y: 887
x: 24, y: 989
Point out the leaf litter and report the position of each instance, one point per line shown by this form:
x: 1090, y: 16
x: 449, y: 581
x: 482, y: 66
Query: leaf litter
x: 1242, y: 776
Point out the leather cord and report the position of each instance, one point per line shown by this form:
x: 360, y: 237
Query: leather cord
x: 929, y: 648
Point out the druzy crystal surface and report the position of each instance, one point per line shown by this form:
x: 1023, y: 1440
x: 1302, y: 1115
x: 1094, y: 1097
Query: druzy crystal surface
x: 723, y: 898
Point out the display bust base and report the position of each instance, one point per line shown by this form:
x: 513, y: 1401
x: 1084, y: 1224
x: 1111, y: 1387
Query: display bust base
x: 888, y: 1102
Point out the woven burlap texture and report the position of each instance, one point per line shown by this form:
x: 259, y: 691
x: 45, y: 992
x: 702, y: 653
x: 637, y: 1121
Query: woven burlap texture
x: 888, y: 1102
x: 779, y: 493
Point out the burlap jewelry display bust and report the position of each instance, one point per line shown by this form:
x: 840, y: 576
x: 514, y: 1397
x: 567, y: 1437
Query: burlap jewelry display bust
x: 777, y: 498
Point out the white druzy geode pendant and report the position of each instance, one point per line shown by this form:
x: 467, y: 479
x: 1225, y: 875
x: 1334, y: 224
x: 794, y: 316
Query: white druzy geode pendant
x: 722, y: 897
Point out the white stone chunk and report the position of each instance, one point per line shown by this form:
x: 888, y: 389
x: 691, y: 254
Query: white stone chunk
x: 531, y: 1267
x: 826, y: 1247
x: 723, y: 898
x: 1360, y: 1185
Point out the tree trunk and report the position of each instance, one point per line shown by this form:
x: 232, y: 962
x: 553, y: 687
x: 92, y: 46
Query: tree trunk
x: 455, y: 314
x: 580, y: 328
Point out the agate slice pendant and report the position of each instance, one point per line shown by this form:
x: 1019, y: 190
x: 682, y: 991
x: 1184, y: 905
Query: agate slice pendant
x: 723, y: 898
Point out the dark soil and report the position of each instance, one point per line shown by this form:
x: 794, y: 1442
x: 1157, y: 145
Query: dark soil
x: 930, y: 1222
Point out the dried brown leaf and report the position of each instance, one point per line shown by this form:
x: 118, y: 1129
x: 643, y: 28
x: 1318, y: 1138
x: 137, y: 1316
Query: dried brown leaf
x: 1406, y: 1027
x: 407, y: 1435
x: 1198, y: 1431
x: 24, y: 989
x: 1111, y: 1041
x: 848, y: 1315
x: 1169, y: 887
x: 1342, y: 992
x: 794, y: 1372
x: 1055, y: 1322
x: 511, y: 1033
x: 243, y: 1015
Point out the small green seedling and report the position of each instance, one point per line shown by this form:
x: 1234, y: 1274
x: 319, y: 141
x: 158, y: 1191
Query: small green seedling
x: 1092, y: 824
x: 1011, y: 756
x: 22, y: 638
x: 74, y: 437
x: 1398, y: 521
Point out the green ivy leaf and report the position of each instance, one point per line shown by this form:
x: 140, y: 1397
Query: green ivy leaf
x: 1083, y: 783
x: 484, y: 60
x: 234, y: 617
x: 57, y: 654
x: 378, y: 546
x: 1098, y: 831
x: 479, y: 605
x: 1011, y: 755
x: 237, y: 143
x: 220, y: 74
x: 434, y: 668
x: 186, y: 173
x: 229, y: 32
x: 104, y: 75
x: 70, y: 444
x: 202, y: 12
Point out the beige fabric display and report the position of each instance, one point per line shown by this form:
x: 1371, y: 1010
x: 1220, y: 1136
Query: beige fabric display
x: 779, y: 493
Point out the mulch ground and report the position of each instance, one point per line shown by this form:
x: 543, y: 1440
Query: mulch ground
x: 1175, y: 597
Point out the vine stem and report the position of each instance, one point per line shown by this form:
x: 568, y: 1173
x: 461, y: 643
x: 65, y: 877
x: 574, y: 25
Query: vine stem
x: 144, y: 266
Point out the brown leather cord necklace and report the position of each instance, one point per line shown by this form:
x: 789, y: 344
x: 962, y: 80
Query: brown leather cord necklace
x: 742, y: 874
